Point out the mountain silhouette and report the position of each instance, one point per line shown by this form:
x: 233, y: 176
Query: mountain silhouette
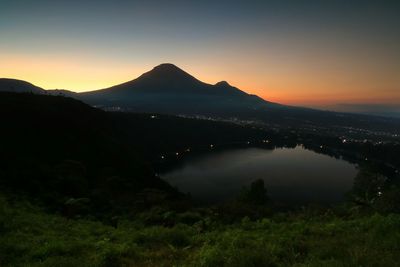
x: 169, y: 89
x: 168, y: 78
x: 19, y: 86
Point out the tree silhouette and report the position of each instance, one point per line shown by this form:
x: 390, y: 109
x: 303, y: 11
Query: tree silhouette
x: 256, y: 194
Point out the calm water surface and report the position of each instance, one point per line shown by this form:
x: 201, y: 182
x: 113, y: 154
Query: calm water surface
x: 290, y: 175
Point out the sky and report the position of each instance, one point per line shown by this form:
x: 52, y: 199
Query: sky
x: 308, y: 53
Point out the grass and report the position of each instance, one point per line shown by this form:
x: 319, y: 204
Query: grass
x: 31, y: 237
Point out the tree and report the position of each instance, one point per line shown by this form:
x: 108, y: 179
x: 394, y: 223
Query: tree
x: 368, y: 186
x: 256, y: 194
x: 388, y: 201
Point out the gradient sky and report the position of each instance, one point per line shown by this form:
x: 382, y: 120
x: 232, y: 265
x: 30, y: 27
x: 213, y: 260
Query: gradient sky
x: 294, y: 52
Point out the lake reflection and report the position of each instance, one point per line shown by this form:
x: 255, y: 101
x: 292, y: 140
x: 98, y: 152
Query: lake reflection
x: 291, y: 175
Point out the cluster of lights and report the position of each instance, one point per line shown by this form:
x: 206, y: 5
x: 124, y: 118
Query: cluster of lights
x: 176, y: 153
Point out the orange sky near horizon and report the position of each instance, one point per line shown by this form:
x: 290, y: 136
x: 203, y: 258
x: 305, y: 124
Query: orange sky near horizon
x: 308, y: 53
x: 286, y: 84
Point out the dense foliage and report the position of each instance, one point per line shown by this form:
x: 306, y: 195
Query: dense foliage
x: 30, y: 237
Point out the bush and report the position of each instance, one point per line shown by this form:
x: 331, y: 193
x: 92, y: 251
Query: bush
x: 235, y: 249
x: 31, y: 237
x: 257, y: 194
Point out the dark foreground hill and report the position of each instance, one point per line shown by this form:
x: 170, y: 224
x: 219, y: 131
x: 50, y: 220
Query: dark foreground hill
x: 56, y: 148
x: 18, y: 86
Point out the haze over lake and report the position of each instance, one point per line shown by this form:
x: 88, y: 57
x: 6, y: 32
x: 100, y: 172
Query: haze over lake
x: 290, y: 175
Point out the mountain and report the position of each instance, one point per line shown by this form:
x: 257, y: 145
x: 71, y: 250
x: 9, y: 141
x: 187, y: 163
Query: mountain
x: 18, y: 86
x: 168, y: 89
x: 169, y: 79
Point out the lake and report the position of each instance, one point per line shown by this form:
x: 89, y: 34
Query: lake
x: 291, y: 175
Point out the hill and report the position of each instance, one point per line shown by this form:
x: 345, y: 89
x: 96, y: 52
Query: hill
x: 56, y: 148
x: 18, y: 86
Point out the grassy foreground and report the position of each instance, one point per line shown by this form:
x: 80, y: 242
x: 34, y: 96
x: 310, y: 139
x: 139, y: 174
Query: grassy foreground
x: 31, y: 237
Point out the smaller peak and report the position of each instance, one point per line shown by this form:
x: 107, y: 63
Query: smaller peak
x: 222, y: 83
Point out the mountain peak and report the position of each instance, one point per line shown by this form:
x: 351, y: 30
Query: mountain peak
x: 222, y: 83
x: 166, y: 66
x: 167, y: 75
x: 168, y: 69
